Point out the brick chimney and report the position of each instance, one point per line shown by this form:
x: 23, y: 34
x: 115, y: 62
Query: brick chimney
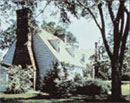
x: 21, y: 56
x: 24, y: 54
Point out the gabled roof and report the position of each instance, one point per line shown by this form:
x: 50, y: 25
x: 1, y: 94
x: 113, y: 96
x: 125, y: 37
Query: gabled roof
x: 8, y: 58
x: 62, y: 55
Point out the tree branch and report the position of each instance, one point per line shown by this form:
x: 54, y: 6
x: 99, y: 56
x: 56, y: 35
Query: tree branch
x: 48, y: 2
x: 93, y: 16
x: 103, y: 31
x: 124, y: 40
x: 118, y: 32
x: 119, y: 10
x: 110, y: 11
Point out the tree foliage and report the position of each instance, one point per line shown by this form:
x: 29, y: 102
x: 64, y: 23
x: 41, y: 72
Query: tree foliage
x: 118, y: 14
x: 19, y: 79
x: 8, y: 37
x: 57, y: 82
x: 57, y: 30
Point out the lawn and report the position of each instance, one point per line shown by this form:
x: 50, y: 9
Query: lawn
x: 23, y: 95
x: 33, y: 97
x: 126, y: 89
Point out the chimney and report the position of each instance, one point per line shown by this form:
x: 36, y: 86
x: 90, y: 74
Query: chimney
x: 21, y: 56
x: 24, y: 54
x: 62, y: 37
x: 23, y: 19
x: 96, y: 47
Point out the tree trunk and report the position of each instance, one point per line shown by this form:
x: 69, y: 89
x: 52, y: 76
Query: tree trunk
x: 116, y: 80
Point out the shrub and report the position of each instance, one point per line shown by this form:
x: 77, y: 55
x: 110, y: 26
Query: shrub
x: 20, y: 79
x: 126, y: 76
x: 93, y: 87
x: 57, y: 85
x: 65, y: 88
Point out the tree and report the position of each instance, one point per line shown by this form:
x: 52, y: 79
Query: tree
x: 119, y: 15
x: 126, y: 65
x: 8, y: 37
x: 20, y: 79
x: 104, y: 57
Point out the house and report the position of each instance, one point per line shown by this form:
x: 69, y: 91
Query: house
x: 40, y: 50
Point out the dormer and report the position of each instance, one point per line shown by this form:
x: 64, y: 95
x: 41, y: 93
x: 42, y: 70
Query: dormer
x: 55, y: 43
x: 61, y: 36
x: 71, y: 51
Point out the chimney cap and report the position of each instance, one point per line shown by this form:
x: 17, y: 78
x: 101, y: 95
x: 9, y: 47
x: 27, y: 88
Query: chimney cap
x: 24, y: 10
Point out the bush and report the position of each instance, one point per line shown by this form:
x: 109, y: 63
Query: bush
x: 126, y: 76
x: 55, y: 84
x: 20, y: 79
x: 58, y: 86
x: 93, y: 87
x: 65, y: 88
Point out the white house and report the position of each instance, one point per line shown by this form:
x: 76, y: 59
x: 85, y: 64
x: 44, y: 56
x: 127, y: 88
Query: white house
x: 40, y: 50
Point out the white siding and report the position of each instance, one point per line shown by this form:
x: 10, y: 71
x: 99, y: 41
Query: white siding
x: 71, y: 51
x: 44, y: 56
x: 75, y: 70
x: 3, y: 79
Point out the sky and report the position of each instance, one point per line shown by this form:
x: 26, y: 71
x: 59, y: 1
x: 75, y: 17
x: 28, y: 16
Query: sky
x: 86, y: 32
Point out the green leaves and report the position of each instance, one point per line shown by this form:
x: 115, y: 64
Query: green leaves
x: 20, y: 79
x: 8, y: 37
x: 57, y: 30
x: 93, y: 87
x: 56, y: 81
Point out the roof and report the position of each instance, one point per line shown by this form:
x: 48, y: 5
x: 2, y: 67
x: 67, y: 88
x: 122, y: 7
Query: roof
x: 8, y: 58
x: 63, y: 55
x: 87, y: 53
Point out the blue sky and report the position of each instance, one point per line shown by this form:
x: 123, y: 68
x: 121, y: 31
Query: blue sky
x: 86, y: 32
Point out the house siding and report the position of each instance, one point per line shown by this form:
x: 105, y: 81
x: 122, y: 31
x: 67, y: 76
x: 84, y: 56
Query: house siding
x: 44, y: 56
x: 3, y: 79
x: 45, y: 59
x: 74, y: 71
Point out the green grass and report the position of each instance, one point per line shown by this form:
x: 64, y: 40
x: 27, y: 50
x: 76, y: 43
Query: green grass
x: 126, y: 89
x: 47, y: 101
x: 41, y: 101
x: 23, y: 95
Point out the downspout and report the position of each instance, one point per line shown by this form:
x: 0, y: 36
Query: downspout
x: 31, y: 55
